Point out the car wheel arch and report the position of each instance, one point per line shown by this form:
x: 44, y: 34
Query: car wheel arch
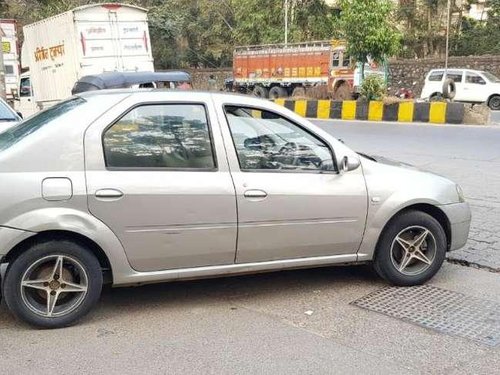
x: 427, y: 208
x: 51, y: 235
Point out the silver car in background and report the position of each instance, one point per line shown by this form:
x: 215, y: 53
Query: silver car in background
x: 133, y: 187
x: 8, y: 117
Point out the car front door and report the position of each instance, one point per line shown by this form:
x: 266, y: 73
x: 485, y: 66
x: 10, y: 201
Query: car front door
x: 292, y: 202
x: 158, y: 177
x: 474, y: 88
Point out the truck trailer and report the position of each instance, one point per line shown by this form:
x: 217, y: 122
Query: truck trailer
x: 281, y: 70
x: 87, y: 40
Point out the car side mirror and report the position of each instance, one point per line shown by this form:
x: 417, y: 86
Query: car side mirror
x: 20, y: 114
x: 348, y: 164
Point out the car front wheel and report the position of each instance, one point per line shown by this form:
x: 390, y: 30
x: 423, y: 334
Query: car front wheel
x: 411, y: 249
x: 53, y: 284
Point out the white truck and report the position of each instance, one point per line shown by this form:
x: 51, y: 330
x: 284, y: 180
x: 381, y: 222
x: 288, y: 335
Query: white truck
x: 8, y: 32
x: 91, y: 39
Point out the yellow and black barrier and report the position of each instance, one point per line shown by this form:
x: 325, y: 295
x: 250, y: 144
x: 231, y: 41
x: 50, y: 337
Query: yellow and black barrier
x: 404, y: 111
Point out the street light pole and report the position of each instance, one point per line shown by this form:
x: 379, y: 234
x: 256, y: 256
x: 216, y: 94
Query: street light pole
x: 448, y: 11
x: 286, y: 22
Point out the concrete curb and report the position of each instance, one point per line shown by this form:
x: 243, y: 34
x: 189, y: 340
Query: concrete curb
x: 406, y: 111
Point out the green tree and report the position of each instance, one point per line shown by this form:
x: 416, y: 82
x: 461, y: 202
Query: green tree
x: 367, y: 28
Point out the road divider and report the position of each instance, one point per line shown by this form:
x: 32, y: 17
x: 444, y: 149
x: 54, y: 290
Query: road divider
x: 404, y: 111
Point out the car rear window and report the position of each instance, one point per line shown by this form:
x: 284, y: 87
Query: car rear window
x: 24, y: 129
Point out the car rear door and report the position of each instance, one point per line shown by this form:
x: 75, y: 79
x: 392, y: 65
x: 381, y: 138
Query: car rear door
x: 292, y: 202
x: 157, y: 175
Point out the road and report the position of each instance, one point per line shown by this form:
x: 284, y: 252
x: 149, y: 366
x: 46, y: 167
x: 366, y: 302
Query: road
x: 292, y: 322
x: 469, y: 155
x: 495, y: 118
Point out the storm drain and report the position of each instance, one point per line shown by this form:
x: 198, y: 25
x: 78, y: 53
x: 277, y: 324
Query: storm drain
x: 439, y: 309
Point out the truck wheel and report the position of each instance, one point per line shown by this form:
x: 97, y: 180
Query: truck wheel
x: 494, y: 103
x: 277, y: 92
x: 53, y: 284
x: 436, y: 97
x: 261, y: 92
x: 343, y: 92
x: 299, y: 92
x: 449, y: 89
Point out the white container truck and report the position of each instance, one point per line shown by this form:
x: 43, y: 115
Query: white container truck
x: 91, y: 39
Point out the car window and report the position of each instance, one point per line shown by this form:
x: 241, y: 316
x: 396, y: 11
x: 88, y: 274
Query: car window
x: 455, y: 76
x: 25, y: 89
x: 436, y: 76
x: 266, y: 141
x: 6, y: 114
x: 491, y: 77
x: 474, y: 78
x: 160, y: 136
x: 24, y: 129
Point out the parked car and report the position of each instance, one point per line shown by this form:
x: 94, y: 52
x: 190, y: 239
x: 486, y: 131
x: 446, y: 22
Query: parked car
x: 472, y: 86
x: 132, y: 187
x: 8, y: 117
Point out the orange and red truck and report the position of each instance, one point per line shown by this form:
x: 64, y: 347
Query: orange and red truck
x: 282, y: 70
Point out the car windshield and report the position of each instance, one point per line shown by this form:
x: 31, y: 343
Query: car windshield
x: 13, y: 135
x: 490, y: 77
x: 6, y: 114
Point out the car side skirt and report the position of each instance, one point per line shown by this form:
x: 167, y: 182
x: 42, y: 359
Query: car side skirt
x: 138, y: 278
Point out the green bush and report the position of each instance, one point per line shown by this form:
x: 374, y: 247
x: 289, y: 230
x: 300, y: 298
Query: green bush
x: 373, y: 88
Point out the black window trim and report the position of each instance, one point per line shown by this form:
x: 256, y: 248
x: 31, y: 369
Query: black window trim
x: 162, y: 169
x: 259, y: 108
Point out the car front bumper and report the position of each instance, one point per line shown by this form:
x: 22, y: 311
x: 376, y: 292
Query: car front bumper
x: 459, y: 216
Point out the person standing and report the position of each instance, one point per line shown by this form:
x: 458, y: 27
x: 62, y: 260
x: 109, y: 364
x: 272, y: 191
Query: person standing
x: 212, y: 83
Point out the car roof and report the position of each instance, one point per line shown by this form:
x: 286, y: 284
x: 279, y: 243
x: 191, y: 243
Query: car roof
x: 110, y: 80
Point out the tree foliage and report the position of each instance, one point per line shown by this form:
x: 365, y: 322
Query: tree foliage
x: 368, y: 30
x: 203, y: 33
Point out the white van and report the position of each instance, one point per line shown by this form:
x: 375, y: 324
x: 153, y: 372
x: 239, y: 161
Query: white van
x: 472, y: 86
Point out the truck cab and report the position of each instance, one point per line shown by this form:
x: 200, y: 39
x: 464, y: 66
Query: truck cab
x: 25, y: 102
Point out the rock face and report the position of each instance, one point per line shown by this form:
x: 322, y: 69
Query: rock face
x: 411, y: 73
x: 477, y: 114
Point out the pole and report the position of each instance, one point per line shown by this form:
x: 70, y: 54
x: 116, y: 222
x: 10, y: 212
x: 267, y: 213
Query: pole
x: 2, y: 69
x: 286, y: 22
x: 447, y: 36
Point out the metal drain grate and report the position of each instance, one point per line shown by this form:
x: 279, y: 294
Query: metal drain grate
x: 439, y: 309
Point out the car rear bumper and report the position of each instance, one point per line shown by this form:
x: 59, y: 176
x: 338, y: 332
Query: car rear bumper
x: 459, y: 216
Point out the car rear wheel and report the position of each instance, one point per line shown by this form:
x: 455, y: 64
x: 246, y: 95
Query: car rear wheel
x: 411, y: 249
x: 53, y: 284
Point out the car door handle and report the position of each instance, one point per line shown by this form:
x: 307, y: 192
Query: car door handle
x: 255, y: 194
x: 108, y: 194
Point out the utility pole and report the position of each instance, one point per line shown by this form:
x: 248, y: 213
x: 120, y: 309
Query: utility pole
x: 448, y: 15
x: 286, y: 22
x: 2, y: 69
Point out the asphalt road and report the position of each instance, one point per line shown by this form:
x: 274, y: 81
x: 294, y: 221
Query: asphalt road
x: 495, y: 118
x: 469, y: 155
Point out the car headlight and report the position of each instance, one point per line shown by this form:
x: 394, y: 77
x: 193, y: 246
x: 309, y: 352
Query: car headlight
x: 460, y: 192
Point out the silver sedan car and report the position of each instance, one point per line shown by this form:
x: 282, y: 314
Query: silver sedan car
x: 134, y: 187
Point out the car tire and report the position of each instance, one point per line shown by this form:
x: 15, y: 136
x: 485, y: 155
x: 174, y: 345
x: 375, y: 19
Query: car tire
x: 53, y: 284
x: 436, y: 97
x: 400, y: 257
x: 277, y: 92
x: 449, y: 89
x: 261, y: 92
x: 494, y: 103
